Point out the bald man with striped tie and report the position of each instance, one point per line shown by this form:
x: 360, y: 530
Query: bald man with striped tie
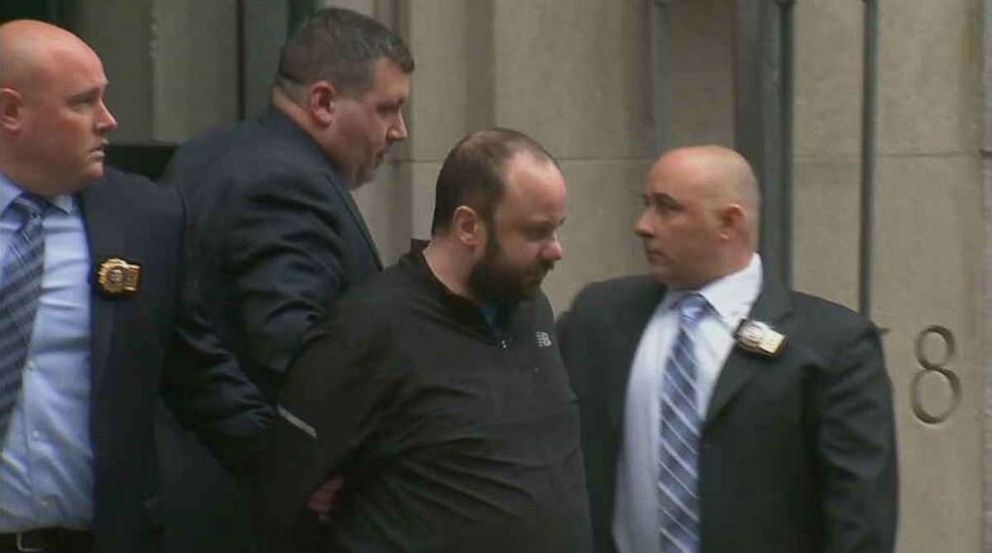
x: 722, y: 412
x: 90, y: 304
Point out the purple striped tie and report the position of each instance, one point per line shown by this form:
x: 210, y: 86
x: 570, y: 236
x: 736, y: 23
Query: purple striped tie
x: 20, y: 286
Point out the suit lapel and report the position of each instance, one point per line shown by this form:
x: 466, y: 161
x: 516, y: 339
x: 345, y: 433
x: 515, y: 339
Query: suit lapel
x: 356, y: 216
x: 772, y: 306
x: 277, y: 122
x: 104, y: 232
x: 630, y: 325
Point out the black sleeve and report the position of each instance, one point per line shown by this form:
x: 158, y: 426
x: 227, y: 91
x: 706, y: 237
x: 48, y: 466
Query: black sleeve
x: 340, y: 388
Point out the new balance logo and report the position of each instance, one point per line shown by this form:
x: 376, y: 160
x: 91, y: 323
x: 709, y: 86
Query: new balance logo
x: 543, y: 339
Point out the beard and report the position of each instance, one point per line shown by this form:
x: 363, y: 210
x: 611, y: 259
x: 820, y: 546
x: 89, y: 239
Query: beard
x: 494, y: 279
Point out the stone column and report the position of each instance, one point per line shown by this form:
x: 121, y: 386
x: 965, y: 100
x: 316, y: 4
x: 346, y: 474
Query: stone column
x: 194, y: 67
x: 123, y: 42
x: 171, y: 63
x: 987, y: 272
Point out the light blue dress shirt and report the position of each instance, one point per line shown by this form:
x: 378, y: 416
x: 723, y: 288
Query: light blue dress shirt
x: 46, y: 462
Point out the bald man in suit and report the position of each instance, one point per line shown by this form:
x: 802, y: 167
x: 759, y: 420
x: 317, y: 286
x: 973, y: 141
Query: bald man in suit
x: 721, y: 411
x: 91, y: 305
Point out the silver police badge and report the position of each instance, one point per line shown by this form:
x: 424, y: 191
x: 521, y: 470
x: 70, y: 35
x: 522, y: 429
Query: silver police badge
x: 757, y: 337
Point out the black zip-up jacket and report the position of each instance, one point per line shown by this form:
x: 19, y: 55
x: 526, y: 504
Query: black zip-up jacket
x: 450, y: 436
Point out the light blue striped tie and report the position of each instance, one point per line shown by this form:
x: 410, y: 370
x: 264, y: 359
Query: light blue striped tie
x: 20, y: 286
x: 680, y: 423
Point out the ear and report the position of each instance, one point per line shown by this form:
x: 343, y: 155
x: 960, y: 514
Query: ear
x: 469, y: 228
x: 321, y: 102
x: 733, y: 219
x: 10, y: 109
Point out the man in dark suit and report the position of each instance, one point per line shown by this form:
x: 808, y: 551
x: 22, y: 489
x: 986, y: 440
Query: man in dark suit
x: 90, y: 306
x: 275, y: 235
x: 722, y: 412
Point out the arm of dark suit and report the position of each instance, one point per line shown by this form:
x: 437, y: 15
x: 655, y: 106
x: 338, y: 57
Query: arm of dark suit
x: 336, y: 394
x: 578, y: 338
x: 285, y: 259
x: 858, y: 451
x: 211, y: 396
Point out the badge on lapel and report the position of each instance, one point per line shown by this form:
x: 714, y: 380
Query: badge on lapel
x: 759, y: 338
x: 116, y: 277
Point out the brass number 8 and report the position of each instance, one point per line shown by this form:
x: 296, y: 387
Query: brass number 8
x: 941, y: 369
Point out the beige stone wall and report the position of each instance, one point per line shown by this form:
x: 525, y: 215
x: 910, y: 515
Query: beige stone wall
x: 701, y: 53
x: 929, y: 215
x: 986, y: 326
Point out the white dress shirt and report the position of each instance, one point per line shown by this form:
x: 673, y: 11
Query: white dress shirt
x: 637, y: 515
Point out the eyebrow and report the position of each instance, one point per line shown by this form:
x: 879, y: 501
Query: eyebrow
x: 662, y: 198
x: 545, y: 224
x: 87, y: 94
x: 392, y: 102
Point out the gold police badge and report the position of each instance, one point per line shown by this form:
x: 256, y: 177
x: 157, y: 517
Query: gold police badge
x: 117, y: 277
x: 758, y: 337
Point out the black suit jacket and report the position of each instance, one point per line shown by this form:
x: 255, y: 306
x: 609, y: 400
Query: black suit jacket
x: 798, y: 451
x: 128, y: 217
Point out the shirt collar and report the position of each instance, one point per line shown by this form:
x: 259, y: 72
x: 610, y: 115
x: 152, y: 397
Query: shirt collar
x: 731, y: 296
x: 491, y: 317
x: 10, y: 190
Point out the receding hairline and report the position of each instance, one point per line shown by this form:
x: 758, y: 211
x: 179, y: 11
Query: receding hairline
x: 515, y: 141
x: 474, y: 173
x: 518, y: 160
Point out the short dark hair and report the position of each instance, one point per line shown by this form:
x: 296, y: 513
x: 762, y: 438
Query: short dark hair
x: 340, y: 46
x: 474, y: 170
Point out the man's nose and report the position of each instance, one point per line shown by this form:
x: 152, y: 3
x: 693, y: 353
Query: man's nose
x: 398, y: 131
x: 641, y: 226
x: 554, y: 251
x: 106, y: 121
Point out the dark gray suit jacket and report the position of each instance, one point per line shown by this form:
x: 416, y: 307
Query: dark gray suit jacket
x: 798, y: 451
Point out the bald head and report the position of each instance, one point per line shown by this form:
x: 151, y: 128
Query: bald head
x: 29, y: 49
x: 719, y: 175
x: 53, y: 121
x: 700, y: 220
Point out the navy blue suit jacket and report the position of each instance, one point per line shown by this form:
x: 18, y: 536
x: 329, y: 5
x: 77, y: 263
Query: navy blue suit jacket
x: 129, y: 217
x: 274, y: 238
